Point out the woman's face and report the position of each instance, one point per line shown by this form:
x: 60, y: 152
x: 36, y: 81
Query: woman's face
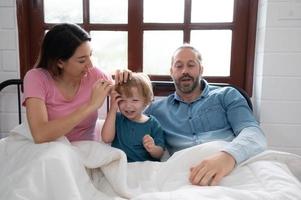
x: 132, y: 107
x: 79, y: 63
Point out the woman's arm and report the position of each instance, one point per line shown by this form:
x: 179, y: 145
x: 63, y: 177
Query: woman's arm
x: 44, y: 130
x: 108, y: 129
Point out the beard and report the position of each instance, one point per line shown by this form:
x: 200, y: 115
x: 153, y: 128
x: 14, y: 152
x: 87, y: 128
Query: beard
x: 186, y: 83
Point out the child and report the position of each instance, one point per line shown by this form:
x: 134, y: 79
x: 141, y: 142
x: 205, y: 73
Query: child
x: 138, y: 135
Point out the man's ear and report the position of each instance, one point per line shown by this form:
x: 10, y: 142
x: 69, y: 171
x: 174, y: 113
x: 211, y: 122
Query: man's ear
x: 201, y: 69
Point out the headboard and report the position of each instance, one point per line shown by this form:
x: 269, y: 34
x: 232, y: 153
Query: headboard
x: 161, y: 88
x: 18, y: 83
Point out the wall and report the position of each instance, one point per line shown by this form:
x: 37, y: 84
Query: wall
x: 277, y: 93
x: 9, y: 62
x: 277, y: 77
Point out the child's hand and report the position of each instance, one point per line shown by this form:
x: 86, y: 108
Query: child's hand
x: 115, y: 98
x: 148, y: 143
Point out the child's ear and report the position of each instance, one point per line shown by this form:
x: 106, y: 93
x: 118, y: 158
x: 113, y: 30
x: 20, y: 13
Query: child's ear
x: 144, y: 103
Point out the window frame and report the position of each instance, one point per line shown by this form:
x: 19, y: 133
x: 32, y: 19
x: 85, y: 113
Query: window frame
x: 31, y: 28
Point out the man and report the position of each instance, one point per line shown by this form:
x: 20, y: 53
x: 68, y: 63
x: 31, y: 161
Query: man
x: 197, y: 113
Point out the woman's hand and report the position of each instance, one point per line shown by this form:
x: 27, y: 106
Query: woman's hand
x: 121, y: 76
x: 100, y: 91
x: 211, y: 170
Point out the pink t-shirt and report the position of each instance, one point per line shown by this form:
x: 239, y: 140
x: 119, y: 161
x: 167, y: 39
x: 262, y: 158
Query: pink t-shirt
x: 39, y: 83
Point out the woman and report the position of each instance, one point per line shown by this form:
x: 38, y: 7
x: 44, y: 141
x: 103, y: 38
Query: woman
x: 63, y: 92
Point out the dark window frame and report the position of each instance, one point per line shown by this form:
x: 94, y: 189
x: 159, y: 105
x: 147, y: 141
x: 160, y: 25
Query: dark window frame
x: 31, y: 29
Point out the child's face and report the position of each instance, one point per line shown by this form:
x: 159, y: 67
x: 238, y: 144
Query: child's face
x: 132, y: 107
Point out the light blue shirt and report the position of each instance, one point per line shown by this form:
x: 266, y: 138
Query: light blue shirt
x: 219, y: 113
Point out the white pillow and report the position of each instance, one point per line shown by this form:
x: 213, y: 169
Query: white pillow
x: 98, y: 127
x: 23, y: 130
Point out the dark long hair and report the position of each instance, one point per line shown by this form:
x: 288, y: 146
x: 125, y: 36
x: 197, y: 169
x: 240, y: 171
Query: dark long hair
x: 60, y: 43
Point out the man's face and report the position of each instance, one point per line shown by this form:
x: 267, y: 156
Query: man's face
x: 186, y: 70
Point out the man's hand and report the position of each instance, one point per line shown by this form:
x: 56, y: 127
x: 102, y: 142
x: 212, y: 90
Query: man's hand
x: 212, y: 169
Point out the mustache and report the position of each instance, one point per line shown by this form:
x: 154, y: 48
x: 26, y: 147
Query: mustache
x: 185, y: 76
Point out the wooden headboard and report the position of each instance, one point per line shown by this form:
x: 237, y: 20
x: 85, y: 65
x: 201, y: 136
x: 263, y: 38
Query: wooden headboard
x: 161, y: 88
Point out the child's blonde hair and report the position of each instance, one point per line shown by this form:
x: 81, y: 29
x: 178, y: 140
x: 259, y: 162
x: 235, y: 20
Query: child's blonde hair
x: 142, y: 82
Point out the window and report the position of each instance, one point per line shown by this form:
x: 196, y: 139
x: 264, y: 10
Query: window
x: 140, y: 35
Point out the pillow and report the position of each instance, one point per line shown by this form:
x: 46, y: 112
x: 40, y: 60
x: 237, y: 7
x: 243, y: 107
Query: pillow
x: 23, y: 130
x: 98, y: 127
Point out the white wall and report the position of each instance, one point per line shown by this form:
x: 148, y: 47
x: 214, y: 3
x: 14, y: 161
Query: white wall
x: 277, y: 93
x: 9, y: 60
x: 9, y: 63
x: 277, y: 77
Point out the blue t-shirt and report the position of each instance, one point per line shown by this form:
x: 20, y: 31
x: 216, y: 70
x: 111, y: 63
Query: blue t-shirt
x: 129, y: 137
x: 219, y: 113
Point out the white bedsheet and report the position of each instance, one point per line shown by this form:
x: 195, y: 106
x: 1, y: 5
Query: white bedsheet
x: 89, y: 170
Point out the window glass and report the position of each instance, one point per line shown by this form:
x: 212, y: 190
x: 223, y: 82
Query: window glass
x: 212, y: 10
x: 57, y: 12
x: 113, y: 11
x: 163, y: 11
x: 109, y: 50
x: 158, y: 47
x: 215, y: 47
x: 156, y: 28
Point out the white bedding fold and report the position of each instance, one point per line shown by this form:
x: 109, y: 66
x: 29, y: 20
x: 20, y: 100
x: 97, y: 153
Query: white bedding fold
x: 91, y: 170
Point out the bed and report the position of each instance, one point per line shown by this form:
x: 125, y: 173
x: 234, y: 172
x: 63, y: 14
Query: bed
x: 86, y: 170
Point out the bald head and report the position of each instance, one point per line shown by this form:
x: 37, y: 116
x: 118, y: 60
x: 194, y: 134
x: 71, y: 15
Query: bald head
x: 187, y: 46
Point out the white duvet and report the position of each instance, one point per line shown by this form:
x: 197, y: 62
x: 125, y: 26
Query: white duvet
x: 89, y: 170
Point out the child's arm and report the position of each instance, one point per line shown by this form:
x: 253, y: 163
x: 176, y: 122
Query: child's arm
x: 108, y: 128
x: 150, y: 146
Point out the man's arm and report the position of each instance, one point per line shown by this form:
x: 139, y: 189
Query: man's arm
x: 249, y: 140
x: 248, y: 143
x: 212, y: 169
